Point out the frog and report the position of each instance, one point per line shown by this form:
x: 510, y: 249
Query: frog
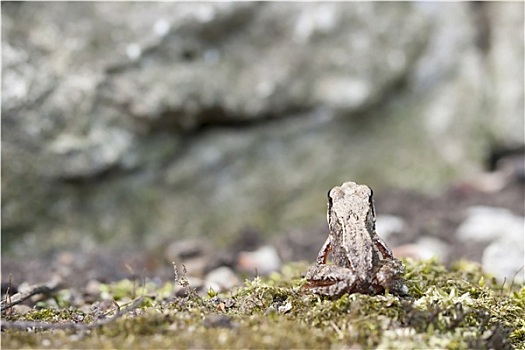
x: 361, y: 262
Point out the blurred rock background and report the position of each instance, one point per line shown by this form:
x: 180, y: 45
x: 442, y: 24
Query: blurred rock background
x: 133, y: 124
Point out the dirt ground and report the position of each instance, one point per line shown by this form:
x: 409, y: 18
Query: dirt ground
x: 437, y: 217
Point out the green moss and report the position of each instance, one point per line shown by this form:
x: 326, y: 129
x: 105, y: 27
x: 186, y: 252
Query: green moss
x: 460, y: 308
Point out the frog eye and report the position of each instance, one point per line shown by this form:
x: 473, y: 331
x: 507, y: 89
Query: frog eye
x: 330, y: 203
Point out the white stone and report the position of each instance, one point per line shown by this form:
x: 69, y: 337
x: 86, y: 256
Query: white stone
x: 504, y: 256
x: 505, y: 260
x: 263, y: 261
x: 486, y: 224
x: 386, y: 225
x: 223, y: 278
x: 432, y: 247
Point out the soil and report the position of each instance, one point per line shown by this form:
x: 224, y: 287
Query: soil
x: 424, y: 215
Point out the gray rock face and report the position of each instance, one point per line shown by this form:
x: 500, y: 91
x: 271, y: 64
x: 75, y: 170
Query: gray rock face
x: 134, y: 122
x: 243, y: 62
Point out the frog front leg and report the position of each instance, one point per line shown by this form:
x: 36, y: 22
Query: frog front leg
x: 389, y: 277
x: 323, y: 253
x: 331, y: 280
x: 386, y: 252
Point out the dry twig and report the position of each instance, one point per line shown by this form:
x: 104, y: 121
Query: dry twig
x: 17, y: 298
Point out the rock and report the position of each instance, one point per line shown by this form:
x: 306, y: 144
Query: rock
x: 21, y: 309
x: 424, y: 248
x: 192, y: 283
x: 167, y: 121
x: 504, y: 231
x: 196, y: 266
x: 487, y: 224
x: 408, y: 251
x: 185, y: 249
x: 262, y: 261
x: 196, y: 254
x: 221, y: 279
x: 506, y: 165
x: 386, y: 225
x: 92, y: 288
x: 504, y: 256
x: 504, y: 259
x: 505, y: 63
x: 432, y: 247
x: 181, y: 81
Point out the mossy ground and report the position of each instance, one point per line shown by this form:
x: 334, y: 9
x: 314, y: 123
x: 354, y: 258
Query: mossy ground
x: 458, y: 308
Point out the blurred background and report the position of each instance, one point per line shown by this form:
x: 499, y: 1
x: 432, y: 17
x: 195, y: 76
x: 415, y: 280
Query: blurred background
x: 130, y: 126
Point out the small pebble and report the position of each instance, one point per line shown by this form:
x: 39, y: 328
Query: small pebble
x: 223, y: 277
x: 262, y: 261
x: 425, y: 248
x: 504, y: 231
x: 21, y: 309
x: 504, y: 259
x: 93, y: 287
x: 486, y: 224
x: 186, y: 249
x: 193, y: 283
x: 432, y: 247
x: 386, y: 225
x: 196, y: 266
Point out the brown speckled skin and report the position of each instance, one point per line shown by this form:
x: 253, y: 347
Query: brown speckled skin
x: 361, y: 260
